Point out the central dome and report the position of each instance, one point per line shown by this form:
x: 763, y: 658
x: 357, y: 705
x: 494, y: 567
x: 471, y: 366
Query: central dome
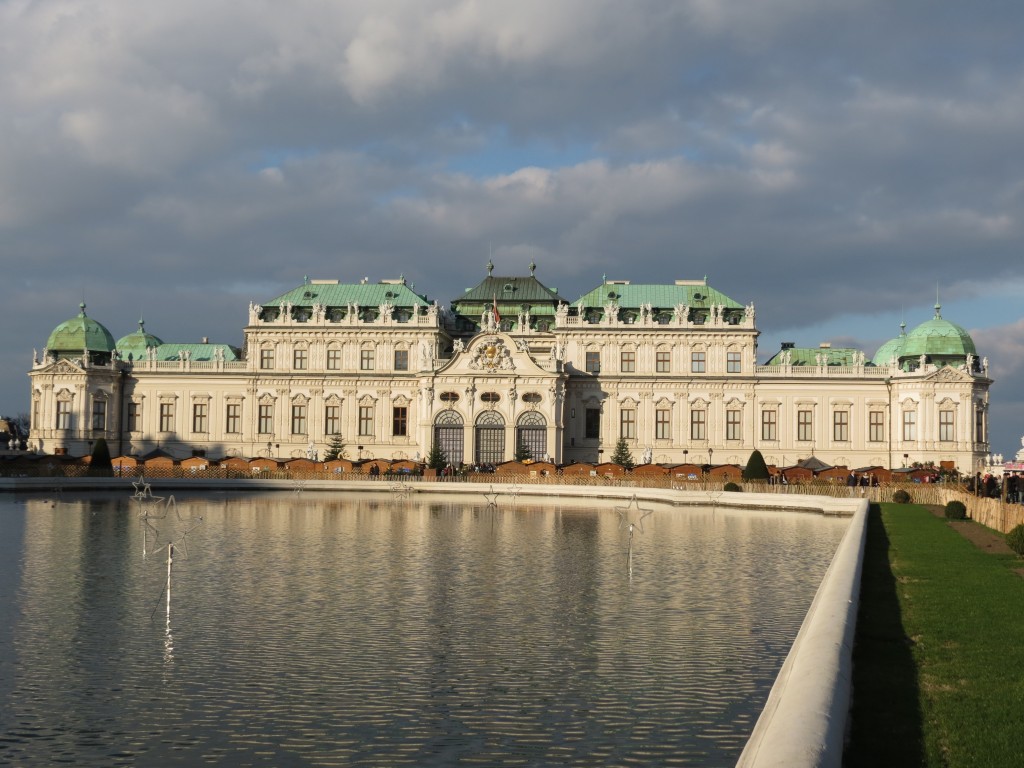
x: 941, y: 341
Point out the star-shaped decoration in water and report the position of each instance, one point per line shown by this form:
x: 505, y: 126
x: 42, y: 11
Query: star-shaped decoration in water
x: 631, y: 511
x: 492, y: 497
x: 299, y: 485
x: 400, y: 490
x: 142, y: 488
x: 514, y: 490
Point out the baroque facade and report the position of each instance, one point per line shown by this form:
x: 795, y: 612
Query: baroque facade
x: 512, y: 368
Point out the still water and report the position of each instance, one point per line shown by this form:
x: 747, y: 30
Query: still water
x: 309, y: 629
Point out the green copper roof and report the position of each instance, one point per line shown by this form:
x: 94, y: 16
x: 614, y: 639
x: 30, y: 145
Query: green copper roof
x: 893, y: 348
x: 693, y: 293
x: 512, y: 290
x: 196, y: 352
x: 334, y: 294
x: 809, y: 356
x: 940, y: 340
x: 134, y: 345
x: 79, y: 334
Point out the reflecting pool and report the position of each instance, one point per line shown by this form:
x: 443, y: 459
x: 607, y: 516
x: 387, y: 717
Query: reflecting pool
x: 313, y: 629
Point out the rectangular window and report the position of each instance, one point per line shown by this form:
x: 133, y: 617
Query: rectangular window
x: 63, y: 414
x: 298, y: 418
x: 733, y: 425
x: 662, y: 424
x: 947, y: 433
x: 332, y: 420
x: 732, y: 362
x: 166, y: 417
x: 266, y: 422
x: 628, y: 361
x: 663, y: 362
x: 365, y: 420
x: 400, y: 421
x: 804, y: 425
x: 233, y: 422
x: 698, y: 425
x: 841, y: 426
x: 627, y: 423
x: 401, y: 359
x: 300, y: 358
x: 199, y: 414
x: 769, y: 425
x: 876, y: 426
x: 134, y: 416
x: 366, y: 359
x: 267, y: 358
x: 99, y: 414
x: 593, y: 424
x: 333, y: 359
x: 698, y: 362
x: 910, y: 425
x: 593, y: 362
x: 979, y: 426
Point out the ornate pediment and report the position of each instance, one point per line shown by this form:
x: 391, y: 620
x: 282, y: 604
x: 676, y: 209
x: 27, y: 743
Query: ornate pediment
x: 948, y: 374
x: 65, y: 366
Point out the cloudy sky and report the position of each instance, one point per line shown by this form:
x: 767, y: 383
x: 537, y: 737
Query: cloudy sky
x: 837, y: 162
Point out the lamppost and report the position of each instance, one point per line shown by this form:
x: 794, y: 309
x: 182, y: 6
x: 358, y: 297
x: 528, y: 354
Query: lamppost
x: 711, y: 453
x: 686, y: 453
x: 906, y: 456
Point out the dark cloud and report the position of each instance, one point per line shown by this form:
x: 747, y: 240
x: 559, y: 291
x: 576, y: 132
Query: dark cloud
x: 821, y: 159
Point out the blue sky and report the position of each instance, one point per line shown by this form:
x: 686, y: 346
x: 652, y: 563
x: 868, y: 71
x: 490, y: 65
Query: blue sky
x: 831, y: 162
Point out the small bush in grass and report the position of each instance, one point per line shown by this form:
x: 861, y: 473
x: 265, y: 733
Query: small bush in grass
x: 1015, y: 538
x: 955, y: 510
x: 901, y: 497
x: 732, y: 487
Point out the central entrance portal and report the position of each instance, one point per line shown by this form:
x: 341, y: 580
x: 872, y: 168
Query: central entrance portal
x: 490, y: 438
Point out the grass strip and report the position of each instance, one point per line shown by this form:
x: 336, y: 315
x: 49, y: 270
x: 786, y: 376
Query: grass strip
x: 938, y: 658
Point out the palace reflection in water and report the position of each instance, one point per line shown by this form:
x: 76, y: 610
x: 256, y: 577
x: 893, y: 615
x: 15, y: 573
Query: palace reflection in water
x: 303, y: 628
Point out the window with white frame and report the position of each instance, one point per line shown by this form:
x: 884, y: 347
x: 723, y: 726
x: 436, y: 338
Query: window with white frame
x: 804, y: 425
x: 365, y: 420
x: 662, y: 424
x: 200, y: 414
x: 698, y: 361
x: 627, y: 423
x: 233, y: 418
x: 332, y: 420
x: 947, y: 430
x: 876, y: 426
x: 366, y: 359
x: 334, y: 359
x: 732, y: 362
x: 663, y: 361
x: 733, y: 424
x: 300, y: 358
x: 698, y: 424
x: 769, y: 424
x: 841, y: 426
x: 266, y: 419
x: 910, y: 425
x: 628, y: 361
x: 298, y: 418
x: 166, y: 417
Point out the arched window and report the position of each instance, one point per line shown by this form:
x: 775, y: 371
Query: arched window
x: 532, y: 435
x: 490, y: 438
x: 448, y: 432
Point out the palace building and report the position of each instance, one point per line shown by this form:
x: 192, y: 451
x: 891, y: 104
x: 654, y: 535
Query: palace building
x: 509, y: 368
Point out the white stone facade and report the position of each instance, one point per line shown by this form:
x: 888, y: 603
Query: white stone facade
x: 391, y: 384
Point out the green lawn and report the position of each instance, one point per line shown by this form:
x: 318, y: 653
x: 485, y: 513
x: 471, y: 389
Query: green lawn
x: 939, y: 655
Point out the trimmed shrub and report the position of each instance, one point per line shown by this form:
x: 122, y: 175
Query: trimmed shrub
x: 901, y: 497
x: 732, y: 487
x: 955, y: 510
x: 1015, y: 538
x: 756, y: 469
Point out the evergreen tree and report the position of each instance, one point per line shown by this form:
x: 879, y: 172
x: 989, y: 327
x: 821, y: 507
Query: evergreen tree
x: 100, y: 464
x: 622, y: 456
x: 334, y: 449
x: 756, y: 469
x: 436, y: 458
x: 523, y: 453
